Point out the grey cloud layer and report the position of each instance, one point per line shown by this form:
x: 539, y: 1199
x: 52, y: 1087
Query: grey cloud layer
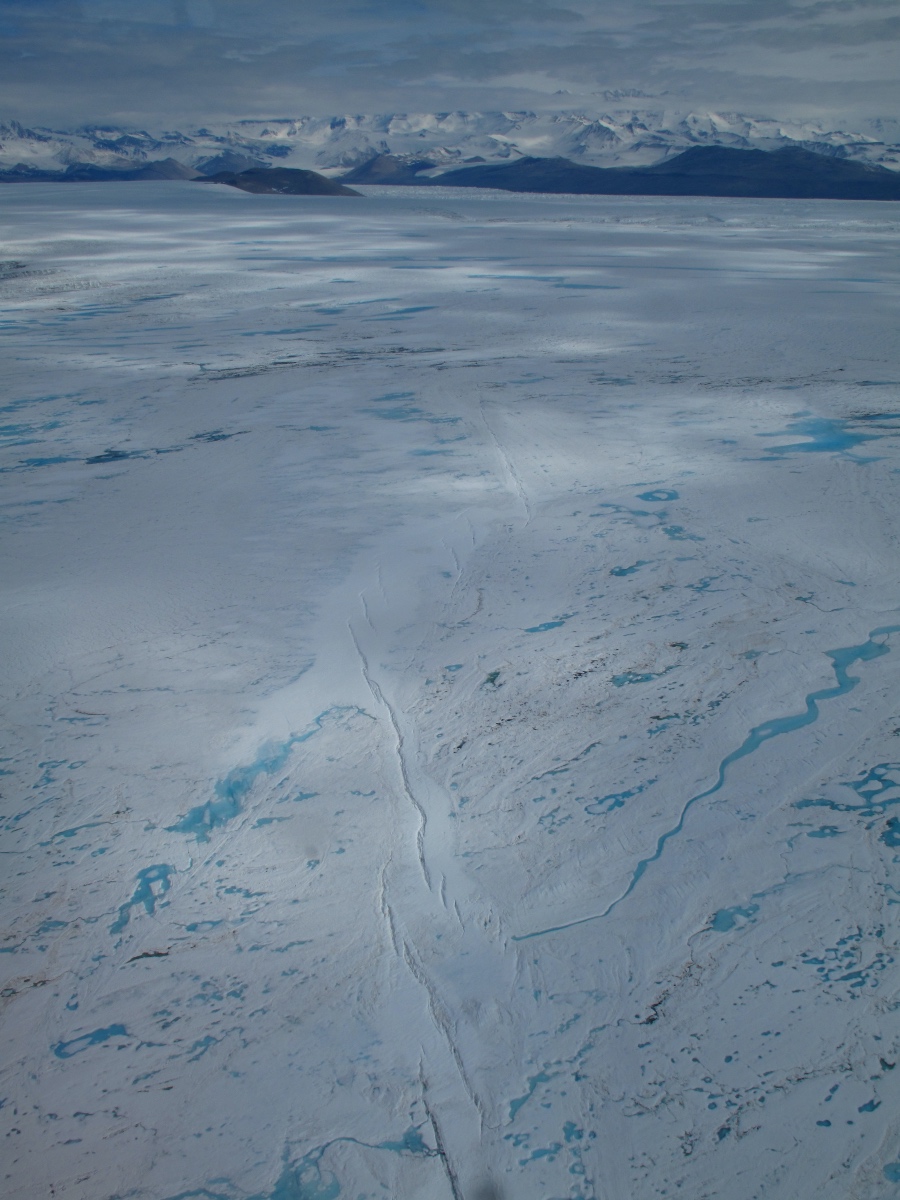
x: 151, y: 60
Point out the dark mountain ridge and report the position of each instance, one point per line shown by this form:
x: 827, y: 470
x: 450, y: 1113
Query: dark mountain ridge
x: 389, y: 169
x: 789, y: 173
x: 80, y: 172
x: 285, y: 181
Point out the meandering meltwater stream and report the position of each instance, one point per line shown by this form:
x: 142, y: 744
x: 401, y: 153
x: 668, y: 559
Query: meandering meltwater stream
x: 842, y: 660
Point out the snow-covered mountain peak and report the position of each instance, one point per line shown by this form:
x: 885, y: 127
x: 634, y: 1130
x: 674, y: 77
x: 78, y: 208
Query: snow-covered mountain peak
x: 616, y: 137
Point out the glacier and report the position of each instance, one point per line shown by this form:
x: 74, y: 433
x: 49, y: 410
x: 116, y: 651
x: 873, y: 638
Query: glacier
x: 451, y: 687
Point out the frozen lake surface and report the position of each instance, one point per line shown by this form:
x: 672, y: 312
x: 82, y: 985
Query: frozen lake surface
x: 451, y: 687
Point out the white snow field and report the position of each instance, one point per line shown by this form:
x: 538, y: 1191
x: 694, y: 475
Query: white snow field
x: 451, y: 687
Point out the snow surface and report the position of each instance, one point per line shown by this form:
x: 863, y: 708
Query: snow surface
x: 619, y: 137
x: 451, y: 666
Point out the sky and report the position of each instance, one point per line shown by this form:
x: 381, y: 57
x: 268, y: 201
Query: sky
x: 165, y: 63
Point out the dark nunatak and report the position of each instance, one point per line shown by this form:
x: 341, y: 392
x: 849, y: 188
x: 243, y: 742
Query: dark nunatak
x: 281, y: 180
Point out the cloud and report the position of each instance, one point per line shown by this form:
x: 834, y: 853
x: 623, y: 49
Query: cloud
x: 179, y: 61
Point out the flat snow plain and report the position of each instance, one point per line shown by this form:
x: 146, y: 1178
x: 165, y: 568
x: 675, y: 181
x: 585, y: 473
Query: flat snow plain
x: 451, y: 674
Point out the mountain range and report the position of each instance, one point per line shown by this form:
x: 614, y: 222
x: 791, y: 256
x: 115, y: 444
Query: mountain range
x: 789, y: 173
x: 446, y: 141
